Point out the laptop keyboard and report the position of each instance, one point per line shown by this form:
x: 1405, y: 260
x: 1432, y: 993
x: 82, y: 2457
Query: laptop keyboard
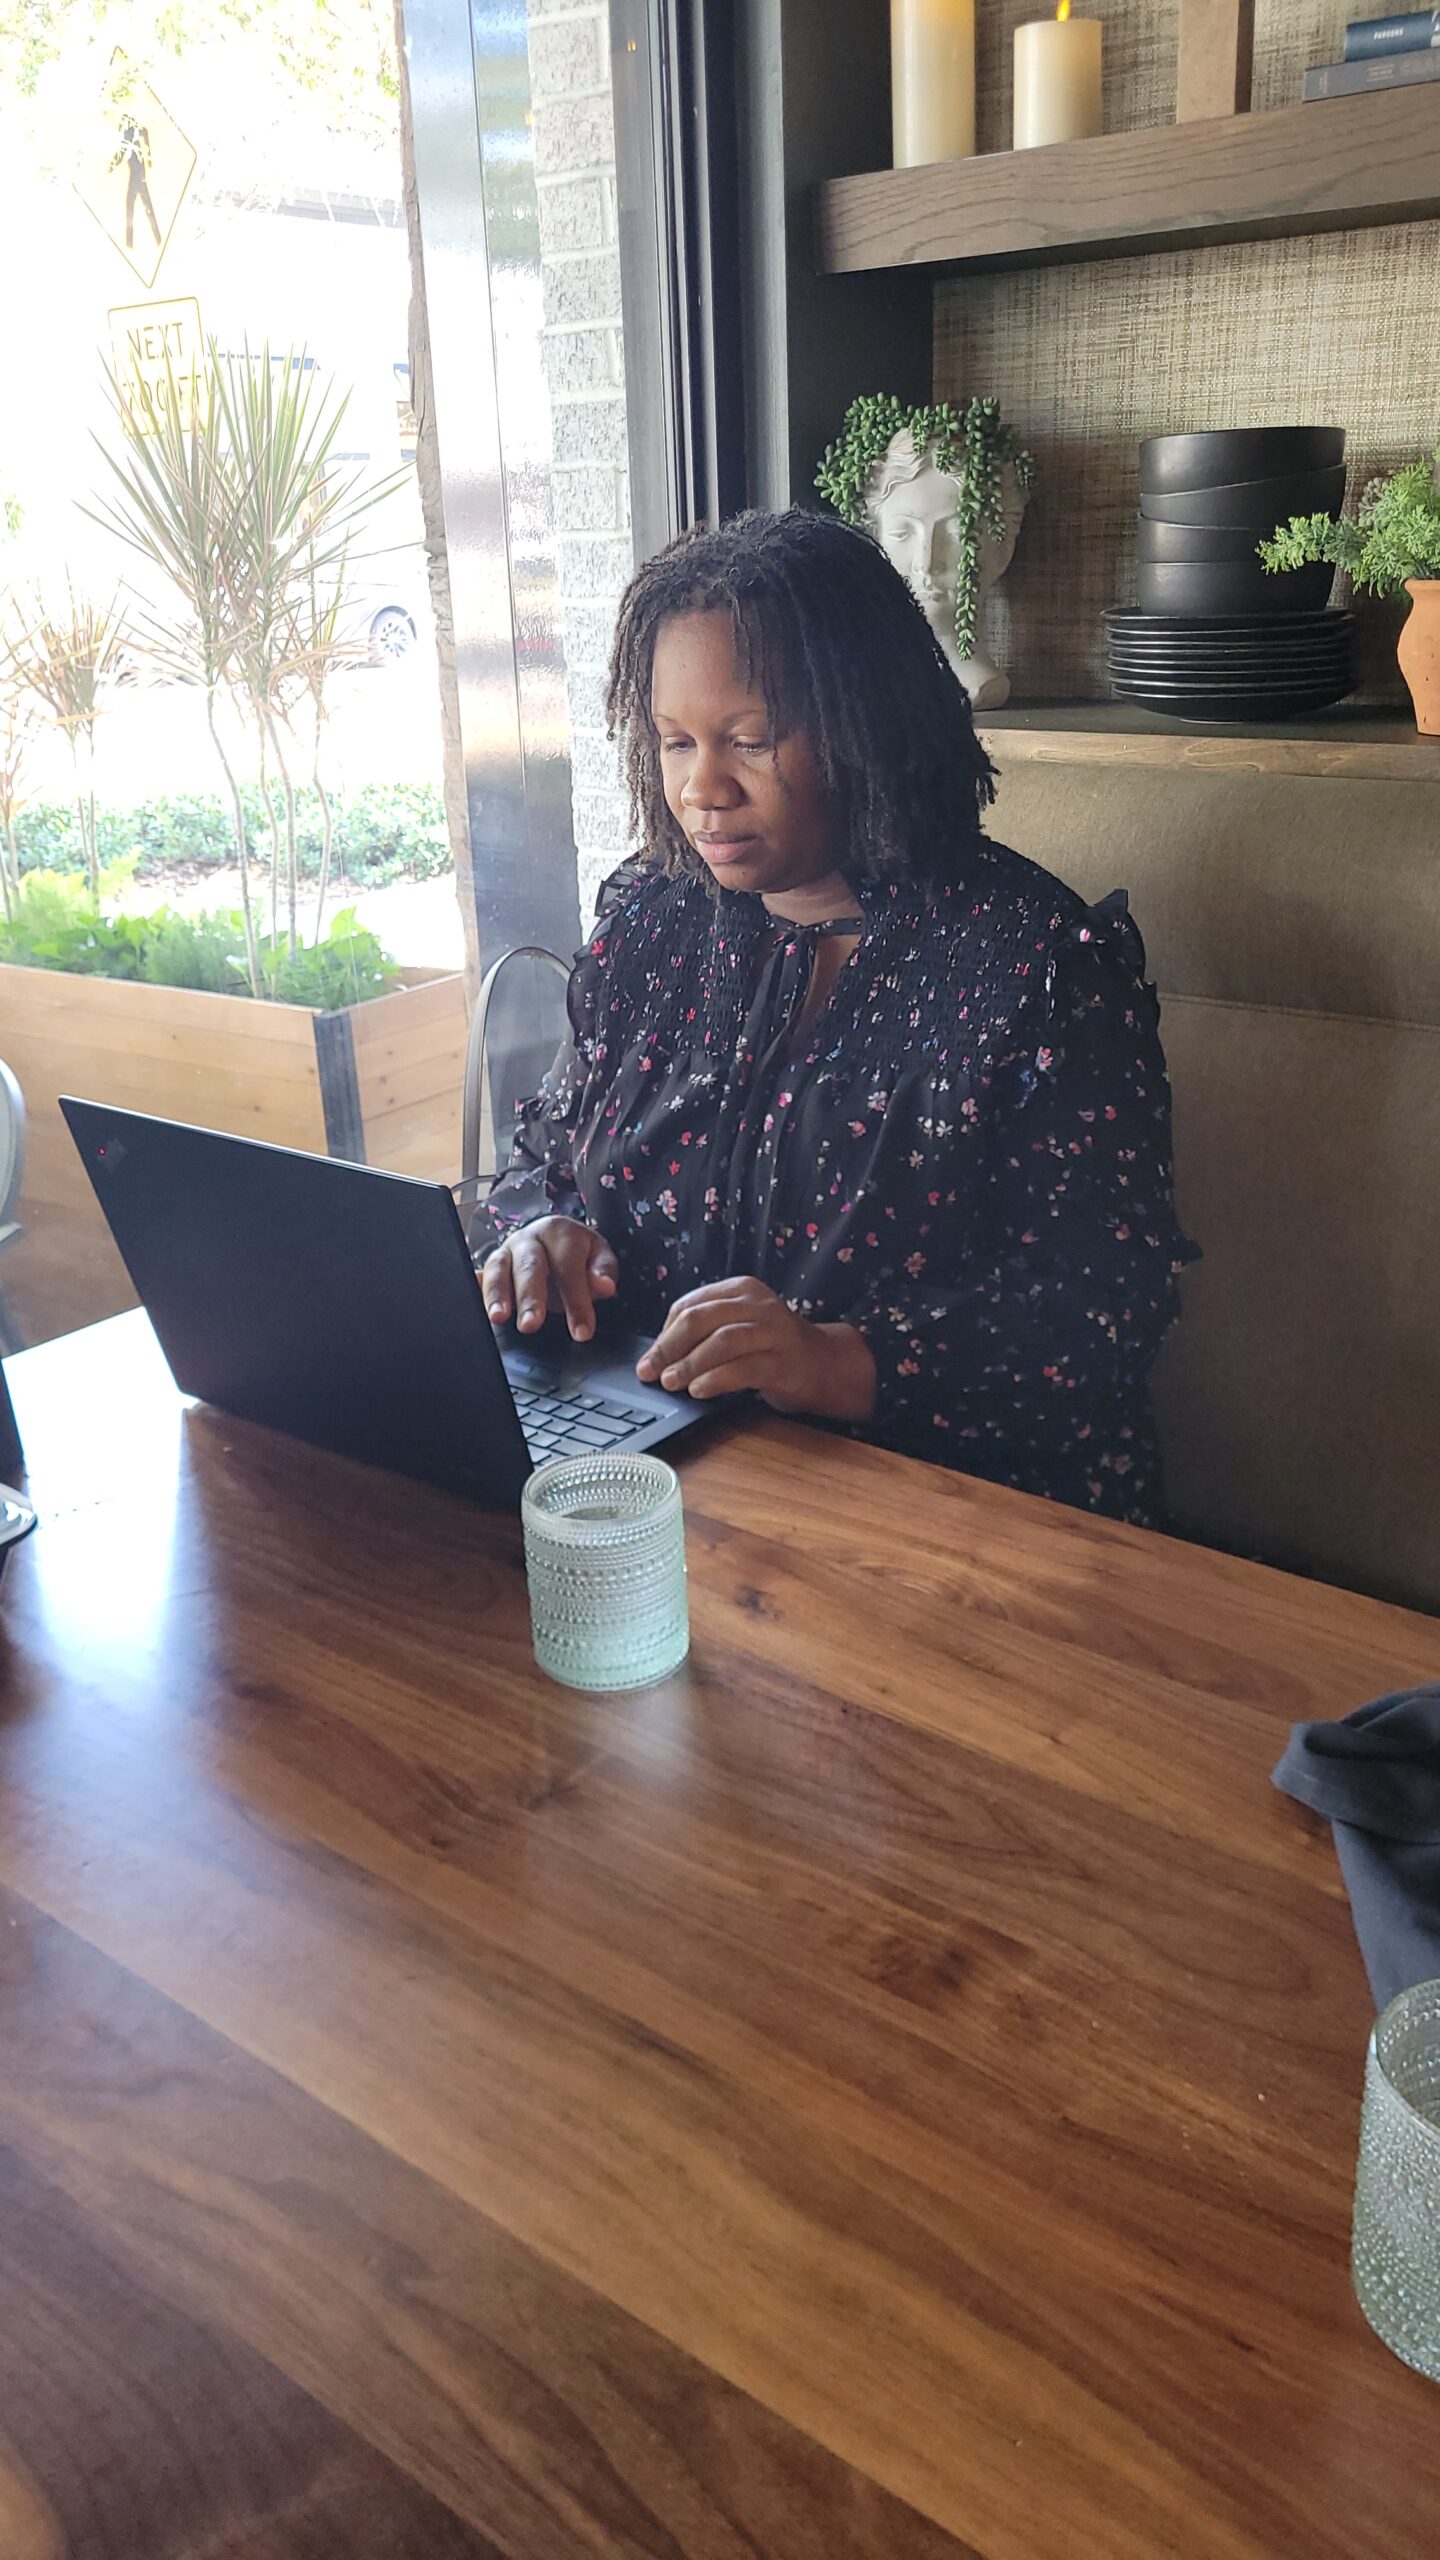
x: 561, y: 1426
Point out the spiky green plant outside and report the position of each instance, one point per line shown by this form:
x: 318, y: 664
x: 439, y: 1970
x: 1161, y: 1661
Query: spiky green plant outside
x: 68, y: 655
x: 17, y: 728
x: 174, y: 503
x: 227, y: 486
x: 297, y: 515
x: 317, y: 649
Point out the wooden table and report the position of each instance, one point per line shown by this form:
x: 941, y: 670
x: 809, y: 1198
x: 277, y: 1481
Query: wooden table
x: 889, y: 2091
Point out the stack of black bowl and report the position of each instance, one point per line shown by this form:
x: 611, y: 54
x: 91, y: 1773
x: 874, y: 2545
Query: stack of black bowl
x: 1215, y: 636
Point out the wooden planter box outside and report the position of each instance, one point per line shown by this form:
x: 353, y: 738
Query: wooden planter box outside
x: 378, y: 1083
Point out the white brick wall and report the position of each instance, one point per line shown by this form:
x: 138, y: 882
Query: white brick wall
x: 569, y: 44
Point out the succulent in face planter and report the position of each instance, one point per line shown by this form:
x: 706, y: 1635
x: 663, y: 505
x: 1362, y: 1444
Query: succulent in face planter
x: 942, y: 490
x: 1391, y: 546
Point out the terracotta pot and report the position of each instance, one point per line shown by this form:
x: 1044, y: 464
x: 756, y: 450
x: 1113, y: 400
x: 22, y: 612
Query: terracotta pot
x: 1418, y: 651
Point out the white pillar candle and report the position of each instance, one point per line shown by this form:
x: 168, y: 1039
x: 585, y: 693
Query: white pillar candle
x: 1057, y: 79
x: 932, y: 70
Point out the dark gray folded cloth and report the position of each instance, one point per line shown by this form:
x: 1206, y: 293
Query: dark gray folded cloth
x: 1376, y: 1776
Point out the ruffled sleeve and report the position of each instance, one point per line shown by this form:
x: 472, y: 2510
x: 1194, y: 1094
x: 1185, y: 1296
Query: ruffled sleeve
x: 1029, y: 1355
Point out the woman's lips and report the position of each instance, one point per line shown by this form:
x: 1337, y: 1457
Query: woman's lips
x: 722, y: 849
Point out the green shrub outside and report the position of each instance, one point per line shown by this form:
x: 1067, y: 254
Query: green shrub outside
x: 388, y: 831
x: 56, y: 925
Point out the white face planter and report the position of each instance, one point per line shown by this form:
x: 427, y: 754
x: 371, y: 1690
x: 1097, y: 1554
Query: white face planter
x: 911, y: 508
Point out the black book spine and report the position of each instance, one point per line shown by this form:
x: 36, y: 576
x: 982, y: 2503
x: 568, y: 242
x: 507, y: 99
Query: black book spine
x: 1411, y: 33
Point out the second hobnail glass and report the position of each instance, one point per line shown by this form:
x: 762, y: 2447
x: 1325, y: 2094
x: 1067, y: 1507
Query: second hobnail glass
x: 605, y: 1560
x: 1396, y: 2241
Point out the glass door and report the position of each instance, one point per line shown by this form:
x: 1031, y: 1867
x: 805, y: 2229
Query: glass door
x: 261, y: 841
x: 230, y: 888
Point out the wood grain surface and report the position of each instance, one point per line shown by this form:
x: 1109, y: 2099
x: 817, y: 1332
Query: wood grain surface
x: 1349, y: 746
x: 887, y: 2093
x: 1335, y: 164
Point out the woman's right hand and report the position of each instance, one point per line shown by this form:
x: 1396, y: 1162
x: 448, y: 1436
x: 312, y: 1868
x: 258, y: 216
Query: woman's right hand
x: 556, y: 1264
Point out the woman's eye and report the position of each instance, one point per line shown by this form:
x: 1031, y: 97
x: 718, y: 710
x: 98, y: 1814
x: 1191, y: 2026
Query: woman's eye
x: 669, y: 746
x: 753, y: 746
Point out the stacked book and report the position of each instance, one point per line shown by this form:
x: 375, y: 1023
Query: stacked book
x: 1381, y: 53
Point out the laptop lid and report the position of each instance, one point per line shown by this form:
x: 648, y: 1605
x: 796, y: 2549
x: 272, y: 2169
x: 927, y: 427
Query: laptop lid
x: 329, y: 1300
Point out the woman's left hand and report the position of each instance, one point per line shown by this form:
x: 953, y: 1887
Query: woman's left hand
x: 736, y: 1334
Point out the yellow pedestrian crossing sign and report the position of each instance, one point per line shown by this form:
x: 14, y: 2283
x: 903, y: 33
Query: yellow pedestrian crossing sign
x: 135, y: 168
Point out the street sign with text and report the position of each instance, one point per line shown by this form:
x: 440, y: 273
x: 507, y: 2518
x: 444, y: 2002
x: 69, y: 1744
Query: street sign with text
x: 155, y: 344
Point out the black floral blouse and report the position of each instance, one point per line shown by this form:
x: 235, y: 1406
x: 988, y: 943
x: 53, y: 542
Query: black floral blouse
x: 966, y: 1153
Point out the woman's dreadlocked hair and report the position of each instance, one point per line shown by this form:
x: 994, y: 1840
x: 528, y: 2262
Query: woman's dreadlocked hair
x: 840, y: 649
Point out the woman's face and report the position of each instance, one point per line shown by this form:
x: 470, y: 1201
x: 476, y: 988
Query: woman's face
x: 751, y: 804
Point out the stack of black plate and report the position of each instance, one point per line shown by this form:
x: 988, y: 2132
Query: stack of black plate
x: 1216, y: 637
x: 1251, y: 667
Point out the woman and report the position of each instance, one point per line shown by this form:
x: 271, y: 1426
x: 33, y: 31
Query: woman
x: 861, y: 1111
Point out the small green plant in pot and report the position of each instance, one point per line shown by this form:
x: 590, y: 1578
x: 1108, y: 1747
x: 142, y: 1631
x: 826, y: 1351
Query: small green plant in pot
x: 1392, y: 547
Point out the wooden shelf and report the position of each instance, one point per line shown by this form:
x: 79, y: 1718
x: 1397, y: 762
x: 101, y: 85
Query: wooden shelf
x: 1336, y: 164
x: 1355, y: 745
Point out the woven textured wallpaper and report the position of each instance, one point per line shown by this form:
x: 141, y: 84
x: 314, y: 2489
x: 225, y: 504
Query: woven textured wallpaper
x: 1088, y: 359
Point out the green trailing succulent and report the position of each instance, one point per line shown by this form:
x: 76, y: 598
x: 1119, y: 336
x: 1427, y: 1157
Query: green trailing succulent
x: 1394, y: 534
x: 973, y: 444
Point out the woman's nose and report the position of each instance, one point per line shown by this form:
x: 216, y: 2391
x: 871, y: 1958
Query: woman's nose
x: 709, y: 784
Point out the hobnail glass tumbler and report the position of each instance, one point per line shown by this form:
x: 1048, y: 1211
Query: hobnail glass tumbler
x: 605, y: 1557
x: 1396, y: 2249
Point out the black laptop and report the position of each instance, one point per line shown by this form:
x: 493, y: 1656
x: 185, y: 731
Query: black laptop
x: 340, y: 1304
